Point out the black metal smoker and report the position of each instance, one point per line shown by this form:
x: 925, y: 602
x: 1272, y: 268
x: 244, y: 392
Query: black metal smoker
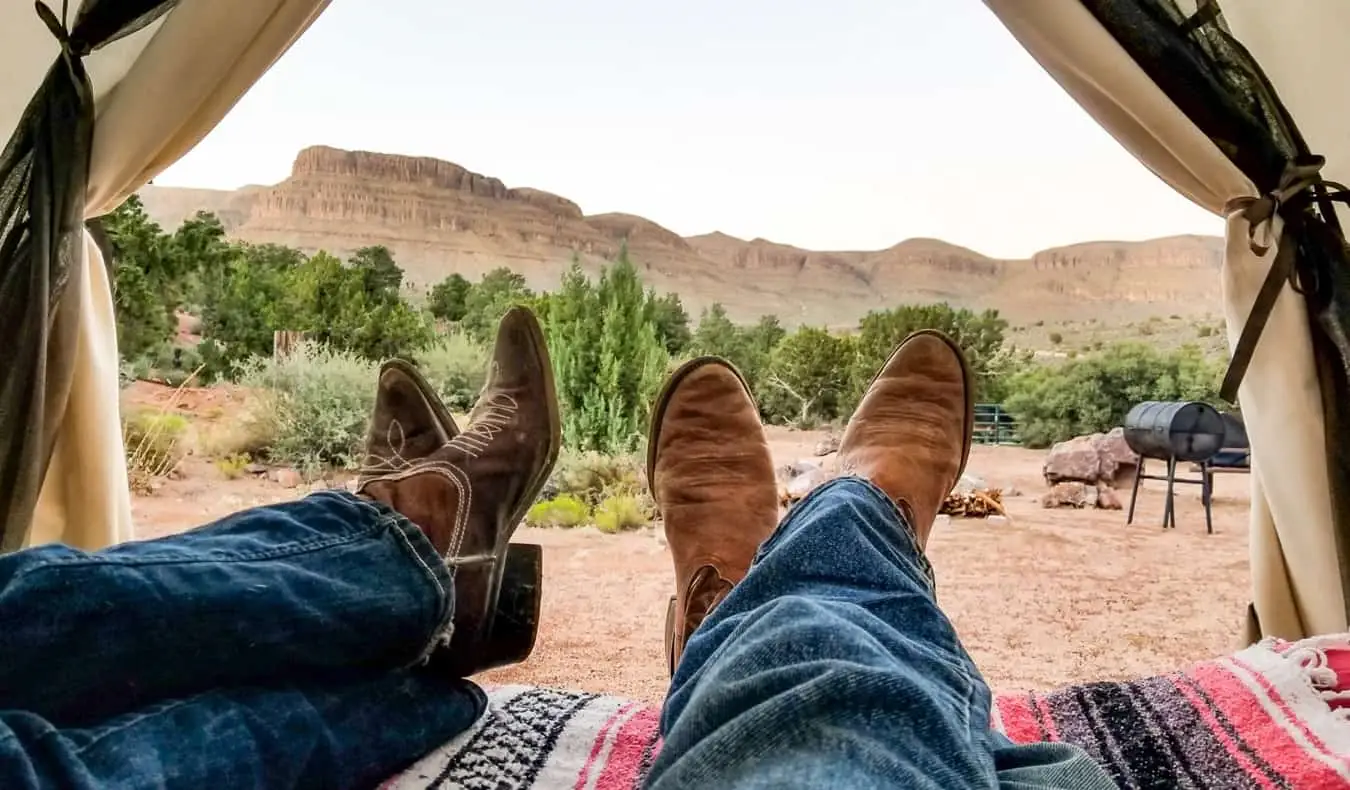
x: 1175, y: 431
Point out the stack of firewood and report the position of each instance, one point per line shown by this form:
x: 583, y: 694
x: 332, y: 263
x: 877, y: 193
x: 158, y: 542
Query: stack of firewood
x: 974, y: 504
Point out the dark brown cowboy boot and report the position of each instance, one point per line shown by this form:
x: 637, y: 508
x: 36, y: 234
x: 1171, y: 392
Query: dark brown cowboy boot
x: 911, y: 434
x: 408, y: 424
x: 712, y: 476
x: 469, y: 496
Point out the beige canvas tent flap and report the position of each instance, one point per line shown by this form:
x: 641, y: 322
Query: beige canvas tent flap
x: 1297, y: 566
x: 156, y: 92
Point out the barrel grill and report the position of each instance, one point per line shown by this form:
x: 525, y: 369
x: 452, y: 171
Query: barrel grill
x: 1185, y: 431
x: 1176, y: 432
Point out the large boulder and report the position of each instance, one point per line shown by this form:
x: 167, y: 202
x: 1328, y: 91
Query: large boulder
x: 1118, y: 460
x: 1098, y: 457
x: 1074, y: 460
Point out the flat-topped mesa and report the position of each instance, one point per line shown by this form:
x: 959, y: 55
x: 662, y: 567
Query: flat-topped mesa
x: 323, y: 161
x: 1169, y: 253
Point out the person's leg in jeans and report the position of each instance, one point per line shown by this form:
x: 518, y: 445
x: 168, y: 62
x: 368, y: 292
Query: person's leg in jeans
x: 830, y: 664
x: 311, y: 600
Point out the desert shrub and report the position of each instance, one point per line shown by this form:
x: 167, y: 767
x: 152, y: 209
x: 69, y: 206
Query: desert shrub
x: 154, y: 444
x: 250, y: 432
x: 456, y: 366
x: 167, y: 363
x: 591, y: 477
x: 1093, y: 392
x: 1056, y: 338
x: 620, y: 512
x: 232, y: 466
x: 320, y: 400
x: 564, y: 510
x: 1204, y: 331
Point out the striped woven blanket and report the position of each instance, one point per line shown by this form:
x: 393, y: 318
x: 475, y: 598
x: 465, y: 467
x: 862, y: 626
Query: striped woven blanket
x: 1275, y: 715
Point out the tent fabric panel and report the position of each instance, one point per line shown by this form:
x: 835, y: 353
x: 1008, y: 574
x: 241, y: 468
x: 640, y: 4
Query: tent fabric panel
x: 1088, y: 63
x: 91, y: 421
x: 1296, y: 578
x: 205, y: 56
x: 29, y: 51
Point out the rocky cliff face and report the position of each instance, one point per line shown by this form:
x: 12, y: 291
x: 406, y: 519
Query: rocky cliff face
x: 438, y: 217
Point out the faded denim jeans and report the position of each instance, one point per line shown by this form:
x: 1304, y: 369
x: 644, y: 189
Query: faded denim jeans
x: 831, y: 666
x: 272, y: 649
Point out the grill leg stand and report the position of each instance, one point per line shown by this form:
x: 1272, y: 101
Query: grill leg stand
x: 1134, y: 494
x: 1207, y: 495
x: 1169, y: 510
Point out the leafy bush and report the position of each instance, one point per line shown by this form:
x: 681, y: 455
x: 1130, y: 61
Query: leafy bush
x: 457, y: 367
x: 232, y: 466
x: 168, y: 363
x: 154, y: 445
x: 621, y: 512
x: 1093, y: 392
x: 591, y: 477
x: 564, y: 510
x: 321, y: 401
x: 248, y: 433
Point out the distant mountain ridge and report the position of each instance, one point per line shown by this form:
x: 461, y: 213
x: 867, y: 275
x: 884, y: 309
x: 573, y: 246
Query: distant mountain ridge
x: 438, y: 217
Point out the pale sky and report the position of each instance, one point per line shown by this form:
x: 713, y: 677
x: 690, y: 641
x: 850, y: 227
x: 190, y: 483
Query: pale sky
x: 849, y: 128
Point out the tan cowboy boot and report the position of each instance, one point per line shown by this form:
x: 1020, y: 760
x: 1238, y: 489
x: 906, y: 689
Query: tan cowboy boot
x: 469, y: 495
x: 911, y: 434
x: 712, y: 476
x: 408, y: 423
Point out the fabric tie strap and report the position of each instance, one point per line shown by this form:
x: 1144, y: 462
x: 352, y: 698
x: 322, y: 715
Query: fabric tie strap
x: 1300, y: 182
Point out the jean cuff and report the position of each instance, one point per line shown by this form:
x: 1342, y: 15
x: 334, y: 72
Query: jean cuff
x: 901, y: 525
x: 429, y: 564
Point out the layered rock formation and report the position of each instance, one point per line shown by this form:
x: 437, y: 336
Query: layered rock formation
x: 438, y: 217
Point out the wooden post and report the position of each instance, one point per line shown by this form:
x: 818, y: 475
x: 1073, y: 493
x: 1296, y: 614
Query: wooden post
x: 284, y: 342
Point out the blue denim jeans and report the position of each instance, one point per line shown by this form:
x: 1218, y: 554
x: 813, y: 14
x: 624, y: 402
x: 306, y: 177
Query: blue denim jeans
x: 831, y: 666
x: 275, y: 648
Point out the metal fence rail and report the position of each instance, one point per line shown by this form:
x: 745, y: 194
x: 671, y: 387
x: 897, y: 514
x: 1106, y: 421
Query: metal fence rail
x: 993, y: 425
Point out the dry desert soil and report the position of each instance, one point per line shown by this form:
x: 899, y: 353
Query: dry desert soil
x: 1053, y: 597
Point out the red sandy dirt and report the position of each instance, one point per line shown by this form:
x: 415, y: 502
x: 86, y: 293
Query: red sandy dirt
x: 1054, y: 597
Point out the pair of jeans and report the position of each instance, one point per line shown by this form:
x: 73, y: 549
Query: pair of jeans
x: 278, y: 647
x: 831, y: 666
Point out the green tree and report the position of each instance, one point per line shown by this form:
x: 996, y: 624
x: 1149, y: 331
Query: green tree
x: 380, y: 276
x: 608, y: 360
x: 716, y: 334
x: 350, y: 309
x: 498, y: 291
x: 980, y: 336
x: 147, y: 274
x: 672, y: 322
x: 448, y: 298
x: 807, y: 377
x: 252, y: 297
x: 1093, y: 392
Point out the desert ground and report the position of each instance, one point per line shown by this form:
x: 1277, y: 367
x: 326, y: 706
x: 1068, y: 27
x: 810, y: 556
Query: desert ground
x: 1052, y: 597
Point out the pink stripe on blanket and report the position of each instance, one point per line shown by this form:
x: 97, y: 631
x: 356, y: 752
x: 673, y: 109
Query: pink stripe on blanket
x: 1235, y: 751
x: 626, y: 760
x: 1021, y: 718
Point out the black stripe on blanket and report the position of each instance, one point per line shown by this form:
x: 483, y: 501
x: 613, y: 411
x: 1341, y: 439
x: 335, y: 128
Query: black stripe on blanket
x: 511, y: 747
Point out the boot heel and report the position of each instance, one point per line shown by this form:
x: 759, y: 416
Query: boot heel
x: 515, y: 620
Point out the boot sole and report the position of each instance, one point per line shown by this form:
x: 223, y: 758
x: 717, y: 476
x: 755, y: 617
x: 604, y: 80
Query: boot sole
x: 653, y: 433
